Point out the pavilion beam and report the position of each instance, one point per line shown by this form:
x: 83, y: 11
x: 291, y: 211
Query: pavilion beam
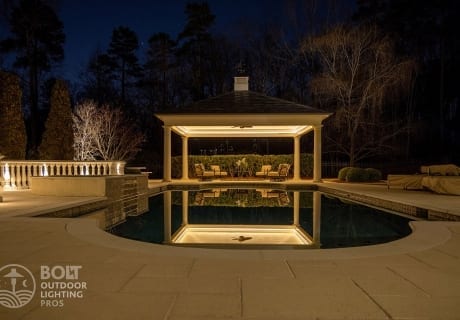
x: 184, y: 158
x: 297, y: 158
x: 167, y: 153
x: 317, y: 154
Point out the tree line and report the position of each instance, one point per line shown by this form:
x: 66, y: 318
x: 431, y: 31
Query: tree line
x: 387, y: 71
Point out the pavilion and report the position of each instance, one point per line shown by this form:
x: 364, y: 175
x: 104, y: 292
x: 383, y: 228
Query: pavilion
x: 243, y: 114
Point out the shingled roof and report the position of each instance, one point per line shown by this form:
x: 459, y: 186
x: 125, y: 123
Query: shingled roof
x: 240, y: 102
x: 243, y: 113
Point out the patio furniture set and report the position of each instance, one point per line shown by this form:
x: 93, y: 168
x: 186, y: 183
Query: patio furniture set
x: 265, y: 172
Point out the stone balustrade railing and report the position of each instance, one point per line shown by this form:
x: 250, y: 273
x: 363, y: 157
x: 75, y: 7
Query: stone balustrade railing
x: 15, y: 175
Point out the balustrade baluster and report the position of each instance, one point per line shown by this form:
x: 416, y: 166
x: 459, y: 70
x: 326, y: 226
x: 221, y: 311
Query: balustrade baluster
x: 29, y: 174
x: 13, y: 175
x: 20, y: 176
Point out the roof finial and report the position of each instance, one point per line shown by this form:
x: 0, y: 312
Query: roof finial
x: 241, y: 69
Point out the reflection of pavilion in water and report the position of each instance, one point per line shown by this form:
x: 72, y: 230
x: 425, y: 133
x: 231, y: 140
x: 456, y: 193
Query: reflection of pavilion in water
x: 241, y: 197
x: 242, y: 234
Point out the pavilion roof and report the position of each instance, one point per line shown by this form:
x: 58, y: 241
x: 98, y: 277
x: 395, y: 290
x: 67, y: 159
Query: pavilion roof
x: 245, y: 102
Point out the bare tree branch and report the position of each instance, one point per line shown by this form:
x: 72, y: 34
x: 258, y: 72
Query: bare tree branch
x: 104, y: 133
x: 359, y: 75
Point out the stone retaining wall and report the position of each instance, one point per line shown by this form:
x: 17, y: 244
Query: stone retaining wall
x: 124, y: 196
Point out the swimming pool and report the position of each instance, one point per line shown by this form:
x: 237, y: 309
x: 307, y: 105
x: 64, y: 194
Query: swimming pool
x: 255, y: 217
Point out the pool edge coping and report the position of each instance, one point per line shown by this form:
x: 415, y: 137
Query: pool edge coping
x: 425, y: 235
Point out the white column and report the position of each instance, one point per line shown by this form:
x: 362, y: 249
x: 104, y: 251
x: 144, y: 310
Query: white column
x: 184, y: 158
x: 167, y: 153
x: 296, y: 208
x: 184, y: 208
x: 317, y: 154
x: 316, y: 218
x: 167, y: 216
x: 297, y: 158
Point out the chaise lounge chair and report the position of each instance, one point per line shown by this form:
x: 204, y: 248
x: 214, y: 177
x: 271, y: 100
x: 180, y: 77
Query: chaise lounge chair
x: 281, y: 174
x: 218, y: 172
x: 268, y: 193
x: 264, y: 171
x: 201, y: 173
x: 283, y: 199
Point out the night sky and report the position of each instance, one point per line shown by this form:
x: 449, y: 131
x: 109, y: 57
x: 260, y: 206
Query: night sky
x: 88, y: 24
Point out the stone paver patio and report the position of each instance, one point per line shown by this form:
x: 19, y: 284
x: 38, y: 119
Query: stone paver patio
x: 417, y: 277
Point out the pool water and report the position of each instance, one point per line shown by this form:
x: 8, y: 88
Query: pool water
x: 243, y: 217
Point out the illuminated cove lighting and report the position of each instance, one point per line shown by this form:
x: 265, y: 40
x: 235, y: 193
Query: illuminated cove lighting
x: 241, y: 235
x: 242, y: 131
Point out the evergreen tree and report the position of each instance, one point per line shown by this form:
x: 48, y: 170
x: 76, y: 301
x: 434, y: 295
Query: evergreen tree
x: 13, y: 137
x: 98, y: 80
x: 196, y: 39
x: 57, y: 142
x: 37, y: 38
x: 159, y: 70
x: 122, y: 52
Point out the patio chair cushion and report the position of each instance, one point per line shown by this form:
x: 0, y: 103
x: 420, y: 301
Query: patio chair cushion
x: 283, y: 171
x: 441, y: 170
x: 199, y: 169
x: 264, y: 170
x: 201, y: 172
x: 217, y: 171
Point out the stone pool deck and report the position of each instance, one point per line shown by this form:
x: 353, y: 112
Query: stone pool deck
x: 417, y: 277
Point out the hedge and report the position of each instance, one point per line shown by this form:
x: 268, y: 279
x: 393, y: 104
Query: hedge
x: 343, y: 173
x: 374, y: 174
x: 353, y: 174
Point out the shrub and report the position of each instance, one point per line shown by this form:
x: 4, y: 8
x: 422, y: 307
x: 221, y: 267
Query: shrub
x: 357, y: 175
x: 343, y: 173
x: 374, y: 174
x: 13, y: 138
x: 57, y: 141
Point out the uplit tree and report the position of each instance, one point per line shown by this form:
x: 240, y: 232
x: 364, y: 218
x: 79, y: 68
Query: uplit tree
x: 84, y: 129
x: 358, y: 77
x: 37, y: 37
x: 104, y: 133
x: 13, y: 133
x: 57, y: 141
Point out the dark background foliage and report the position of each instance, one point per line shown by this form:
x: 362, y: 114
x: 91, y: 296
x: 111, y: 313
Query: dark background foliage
x: 169, y: 72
